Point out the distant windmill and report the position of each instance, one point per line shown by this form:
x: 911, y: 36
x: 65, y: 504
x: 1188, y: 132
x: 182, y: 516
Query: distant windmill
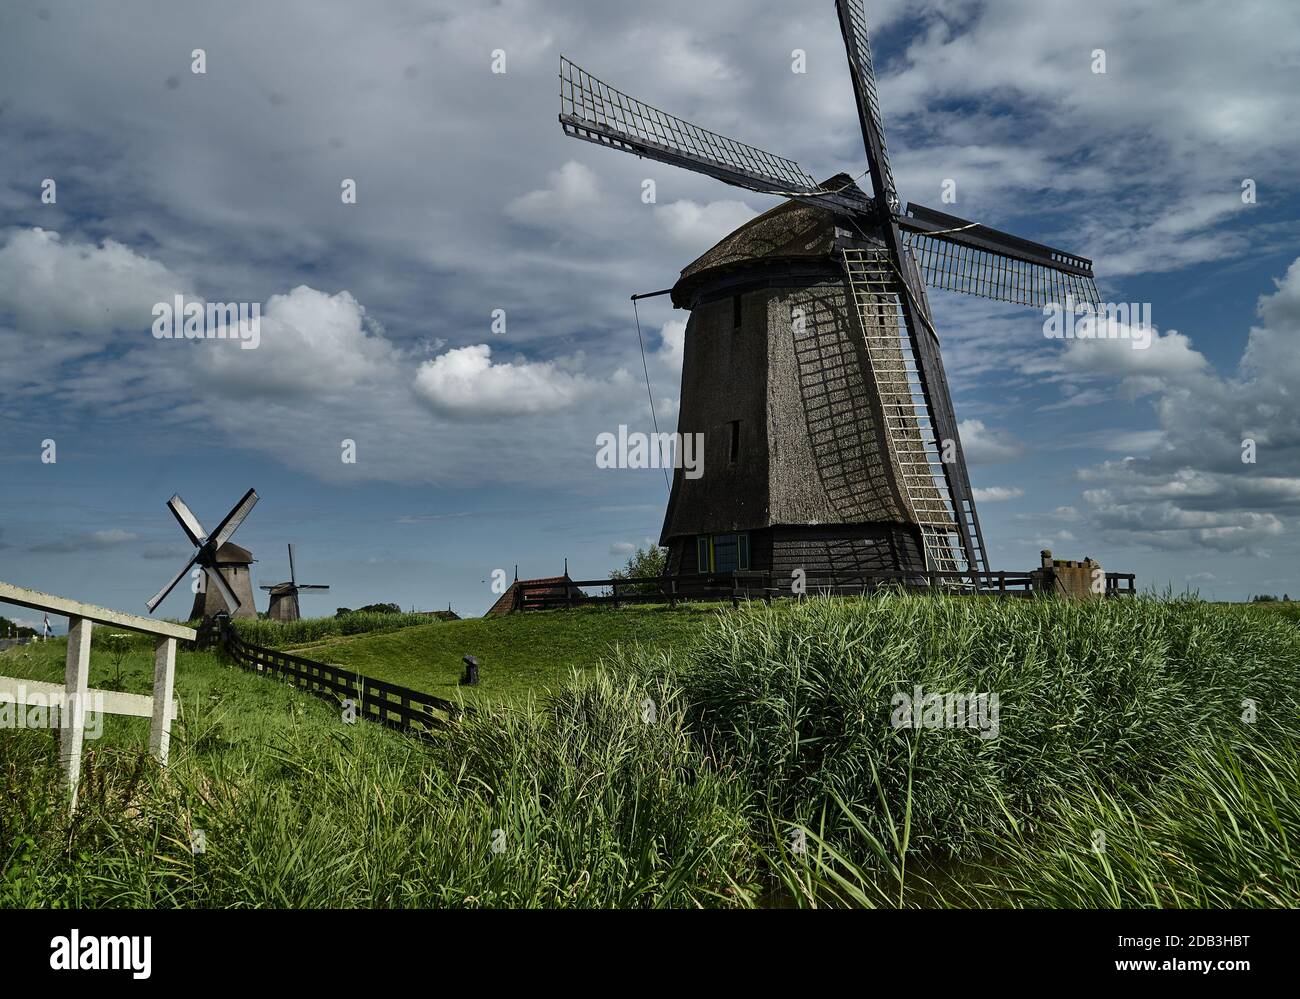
x: 228, y: 588
x: 284, y: 596
x: 812, y: 368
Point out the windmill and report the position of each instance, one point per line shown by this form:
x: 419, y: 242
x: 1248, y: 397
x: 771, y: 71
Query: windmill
x: 284, y: 596
x: 227, y: 585
x: 812, y: 364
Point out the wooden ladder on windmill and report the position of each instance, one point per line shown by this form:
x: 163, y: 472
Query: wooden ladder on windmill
x: 909, y: 426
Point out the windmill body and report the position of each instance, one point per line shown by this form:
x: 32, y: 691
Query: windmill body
x: 284, y: 603
x: 800, y: 471
x: 812, y: 365
x: 284, y: 596
x: 234, y: 563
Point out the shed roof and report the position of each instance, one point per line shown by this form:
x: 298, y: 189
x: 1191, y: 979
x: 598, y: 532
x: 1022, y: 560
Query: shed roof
x: 232, y: 554
x: 506, y: 602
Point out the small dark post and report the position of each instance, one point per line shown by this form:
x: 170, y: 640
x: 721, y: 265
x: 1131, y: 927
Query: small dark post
x: 672, y: 591
x: 470, y: 679
x: 614, y: 582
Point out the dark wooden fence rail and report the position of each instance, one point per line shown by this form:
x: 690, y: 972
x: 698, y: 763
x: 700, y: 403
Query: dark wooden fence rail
x: 738, y: 586
x: 375, y: 700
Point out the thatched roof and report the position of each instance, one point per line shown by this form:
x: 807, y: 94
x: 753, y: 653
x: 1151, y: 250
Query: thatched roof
x: 791, y: 233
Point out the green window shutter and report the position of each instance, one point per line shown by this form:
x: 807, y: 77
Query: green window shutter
x: 702, y: 559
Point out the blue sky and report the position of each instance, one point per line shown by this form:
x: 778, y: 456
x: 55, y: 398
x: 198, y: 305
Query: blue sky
x: 476, y: 449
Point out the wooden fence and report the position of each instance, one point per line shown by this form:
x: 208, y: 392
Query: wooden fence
x: 74, y: 697
x: 374, y: 700
x: 754, y: 585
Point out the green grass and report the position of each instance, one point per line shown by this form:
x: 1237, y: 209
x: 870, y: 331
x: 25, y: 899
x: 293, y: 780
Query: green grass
x: 588, y: 805
x: 1219, y: 830
x: 283, y: 634
x: 1124, y: 716
x: 1091, y: 694
x: 521, y: 655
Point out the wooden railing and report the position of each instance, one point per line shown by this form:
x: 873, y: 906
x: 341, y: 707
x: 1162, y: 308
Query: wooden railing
x: 766, y: 585
x: 74, y: 697
x: 374, y: 700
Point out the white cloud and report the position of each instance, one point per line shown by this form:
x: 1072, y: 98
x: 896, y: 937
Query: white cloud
x: 1169, y: 356
x: 997, y: 494
x: 90, y: 541
x: 52, y: 285
x: 311, y: 342
x: 982, y: 445
x: 672, y: 344
x: 1189, y: 488
x: 572, y: 195
x: 466, y: 382
x: 697, y: 226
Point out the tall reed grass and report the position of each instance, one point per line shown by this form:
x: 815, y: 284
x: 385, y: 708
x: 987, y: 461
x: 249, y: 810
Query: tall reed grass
x: 284, y: 634
x: 1103, y: 695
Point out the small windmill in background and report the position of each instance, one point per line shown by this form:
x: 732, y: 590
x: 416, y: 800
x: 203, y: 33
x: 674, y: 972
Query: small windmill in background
x: 284, y: 596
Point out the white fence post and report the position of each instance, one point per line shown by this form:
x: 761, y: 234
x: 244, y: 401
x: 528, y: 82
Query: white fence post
x: 72, y: 717
x: 75, y: 692
x: 164, y: 677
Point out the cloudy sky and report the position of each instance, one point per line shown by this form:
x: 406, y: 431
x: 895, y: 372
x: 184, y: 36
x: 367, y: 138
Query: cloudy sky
x: 475, y: 447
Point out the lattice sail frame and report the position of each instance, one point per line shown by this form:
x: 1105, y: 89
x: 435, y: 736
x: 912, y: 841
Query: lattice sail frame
x: 858, y: 41
x: 953, y: 266
x: 875, y: 289
x: 593, y: 110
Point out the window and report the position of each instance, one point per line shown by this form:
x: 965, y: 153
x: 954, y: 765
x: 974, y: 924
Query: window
x: 733, y: 448
x: 726, y: 558
x: 722, y: 552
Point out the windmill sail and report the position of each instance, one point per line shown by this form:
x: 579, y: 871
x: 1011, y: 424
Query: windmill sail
x: 958, y: 255
x: 596, y: 112
x: 853, y: 25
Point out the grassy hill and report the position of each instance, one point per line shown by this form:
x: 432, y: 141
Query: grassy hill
x: 519, y: 655
x: 1126, y: 717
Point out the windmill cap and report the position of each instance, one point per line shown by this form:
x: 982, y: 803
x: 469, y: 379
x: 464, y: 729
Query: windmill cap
x: 793, y: 232
x: 232, y: 554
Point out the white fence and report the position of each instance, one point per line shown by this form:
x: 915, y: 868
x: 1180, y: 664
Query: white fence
x: 72, y: 695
